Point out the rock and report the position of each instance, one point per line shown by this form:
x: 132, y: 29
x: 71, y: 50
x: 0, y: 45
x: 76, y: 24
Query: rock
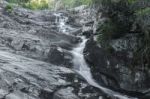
x: 128, y: 43
x: 29, y: 38
x: 113, y: 70
x: 30, y: 33
x: 59, y: 57
x: 55, y: 56
x: 80, y: 8
x: 97, y: 58
x: 147, y: 96
x: 108, y: 72
x: 45, y: 94
x: 94, y: 55
x: 65, y: 94
x: 87, y: 31
x: 129, y: 79
x: 19, y: 77
x: 17, y: 44
x: 29, y: 44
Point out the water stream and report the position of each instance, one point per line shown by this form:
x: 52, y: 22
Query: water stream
x: 80, y: 65
x: 61, y: 23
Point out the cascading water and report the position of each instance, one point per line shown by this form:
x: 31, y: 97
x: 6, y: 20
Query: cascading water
x: 80, y: 65
x: 61, y: 21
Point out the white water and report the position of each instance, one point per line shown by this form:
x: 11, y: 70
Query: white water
x: 80, y: 65
x: 61, y: 22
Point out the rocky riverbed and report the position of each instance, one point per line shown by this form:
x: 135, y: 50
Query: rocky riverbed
x: 34, y: 55
x: 36, y: 60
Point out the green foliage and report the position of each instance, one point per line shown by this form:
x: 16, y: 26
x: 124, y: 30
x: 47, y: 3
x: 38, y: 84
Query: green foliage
x: 9, y: 8
x: 131, y: 1
x: 123, y: 15
x: 143, y: 20
x: 143, y: 12
x: 18, y: 1
x: 105, y: 43
x: 108, y: 31
x: 120, y: 18
x: 36, y: 5
x: 31, y: 4
x: 45, y: 4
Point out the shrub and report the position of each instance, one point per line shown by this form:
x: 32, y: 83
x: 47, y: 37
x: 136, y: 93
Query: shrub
x: 37, y: 4
x: 143, y: 53
x: 18, y: 1
x: 108, y: 30
x: 143, y: 12
x: 120, y: 19
x: 45, y: 4
x: 32, y: 4
x: 123, y: 15
x: 131, y: 1
x: 9, y: 8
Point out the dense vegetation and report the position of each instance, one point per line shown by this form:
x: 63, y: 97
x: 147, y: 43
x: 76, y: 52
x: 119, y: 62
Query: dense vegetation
x: 31, y: 4
x: 127, y: 17
x: 50, y: 4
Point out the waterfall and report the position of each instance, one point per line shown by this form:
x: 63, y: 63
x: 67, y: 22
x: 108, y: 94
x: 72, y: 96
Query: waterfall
x: 80, y: 65
x: 82, y: 68
x: 61, y: 21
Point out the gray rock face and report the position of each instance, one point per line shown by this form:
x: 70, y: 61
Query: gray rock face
x: 31, y: 33
x: 22, y: 77
x: 59, y: 56
x: 97, y: 58
x: 130, y: 79
x: 114, y: 70
x: 147, y: 96
x: 30, y: 42
x: 30, y: 45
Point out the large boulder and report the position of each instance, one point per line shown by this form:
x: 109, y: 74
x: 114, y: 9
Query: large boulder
x: 114, y: 69
x: 93, y: 54
x: 59, y: 56
x: 131, y: 78
x: 23, y: 77
x: 97, y: 59
x: 87, y: 31
x: 146, y: 96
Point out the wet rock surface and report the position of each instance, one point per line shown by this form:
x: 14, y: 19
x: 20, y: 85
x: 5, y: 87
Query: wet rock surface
x: 23, y: 77
x: 97, y: 58
x: 34, y: 56
x: 113, y: 70
x: 36, y: 63
x: 130, y: 79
